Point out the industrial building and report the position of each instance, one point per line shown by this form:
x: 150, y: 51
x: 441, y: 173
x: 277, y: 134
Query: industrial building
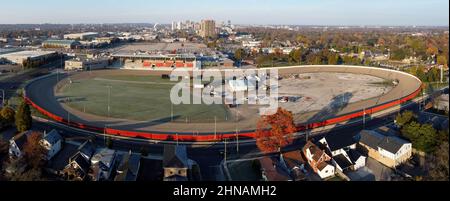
x: 31, y: 55
x: 81, y: 36
x: 208, y: 28
x: 67, y: 44
x: 87, y: 63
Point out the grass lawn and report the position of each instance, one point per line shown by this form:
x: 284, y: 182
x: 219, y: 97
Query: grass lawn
x: 142, y: 98
x: 244, y: 171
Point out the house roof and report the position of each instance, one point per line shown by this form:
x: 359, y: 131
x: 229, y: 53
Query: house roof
x: 375, y: 139
x: 52, y: 137
x: 87, y: 148
x: 81, y: 161
x: 20, y: 139
x: 129, y: 167
x: 293, y: 159
x: 175, y: 156
x: 342, y: 161
x: 336, y: 141
x: 392, y: 144
x: 105, y: 157
x: 439, y: 122
x: 371, y: 138
x: 316, y: 152
x: 354, y: 155
x: 274, y: 171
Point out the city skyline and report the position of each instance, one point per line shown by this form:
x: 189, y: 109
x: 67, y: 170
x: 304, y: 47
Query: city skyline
x: 288, y: 12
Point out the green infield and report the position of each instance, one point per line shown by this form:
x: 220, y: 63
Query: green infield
x: 141, y: 98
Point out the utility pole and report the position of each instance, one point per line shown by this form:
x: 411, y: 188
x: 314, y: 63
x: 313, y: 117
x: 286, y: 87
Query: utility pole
x: 237, y: 141
x: 225, y: 153
x: 364, y: 118
x: 215, y: 127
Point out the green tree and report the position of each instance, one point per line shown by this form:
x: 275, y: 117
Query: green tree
x: 405, y: 118
x: 423, y: 137
x: 23, y: 117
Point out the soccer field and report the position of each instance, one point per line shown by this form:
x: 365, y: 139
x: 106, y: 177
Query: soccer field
x: 141, y: 98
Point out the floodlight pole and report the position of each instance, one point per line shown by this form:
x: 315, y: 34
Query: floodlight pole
x: 109, y: 100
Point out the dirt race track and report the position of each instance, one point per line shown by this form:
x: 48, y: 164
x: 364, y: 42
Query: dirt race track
x: 41, y: 95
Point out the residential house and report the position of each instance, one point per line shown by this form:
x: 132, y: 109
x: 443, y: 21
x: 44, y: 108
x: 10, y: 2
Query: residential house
x: 77, y: 169
x: 102, y: 164
x: 295, y: 164
x: 319, y: 160
x: 129, y: 167
x: 273, y: 170
x: 16, y: 145
x: 52, y: 142
x: 387, y: 149
x: 79, y: 164
x: 175, y: 163
x: 339, y: 148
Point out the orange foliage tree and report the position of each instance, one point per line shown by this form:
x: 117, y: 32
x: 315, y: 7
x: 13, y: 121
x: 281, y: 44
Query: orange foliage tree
x: 34, y: 152
x: 275, y: 131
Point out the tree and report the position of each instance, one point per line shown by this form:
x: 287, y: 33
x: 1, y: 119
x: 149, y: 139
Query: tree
x: 439, y: 170
x: 405, y: 118
x: 423, y: 137
x: 441, y: 60
x: 7, y: 114
x: 23, y: 117
x: 239, y: 54
x: 34, y: 152
x: 279, y: 135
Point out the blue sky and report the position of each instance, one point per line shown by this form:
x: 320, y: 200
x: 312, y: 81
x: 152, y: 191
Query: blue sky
x: 302, y: 12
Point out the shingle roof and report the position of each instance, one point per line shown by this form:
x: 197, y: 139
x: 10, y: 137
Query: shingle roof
x: 392, y: 144
x: 336, y: 141
x: 375, y: 139
x: 52, y: 137
x: 175, y: 156
x: 342, y: 161
x: 371, y: 138
x: 274, y: 171
x: 21, y: 139
x: 316, y: 152
x: 322, y: 165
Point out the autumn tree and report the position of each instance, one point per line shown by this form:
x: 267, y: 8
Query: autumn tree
x: 34, y: 152
x: 7, y: 114
x: 275, y: 131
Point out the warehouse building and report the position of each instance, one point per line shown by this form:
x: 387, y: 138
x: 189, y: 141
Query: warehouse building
x: 81, y: 36
x: 28, y: 57
x: 67, y: 44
